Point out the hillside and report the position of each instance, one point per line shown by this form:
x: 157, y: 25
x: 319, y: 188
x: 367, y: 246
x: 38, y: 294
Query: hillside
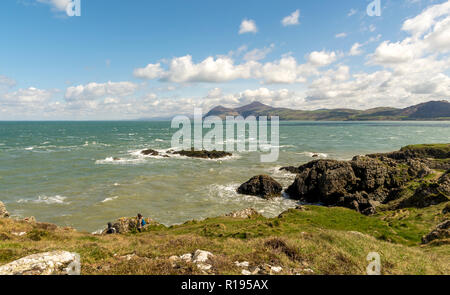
x: 433, y: 110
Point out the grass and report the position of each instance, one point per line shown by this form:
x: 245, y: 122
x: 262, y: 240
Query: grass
x: 326, y: 240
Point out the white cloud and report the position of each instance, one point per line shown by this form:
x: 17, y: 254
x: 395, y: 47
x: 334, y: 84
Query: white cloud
x: 248, y: 26
x: 341, y: 35
x: 151, y: 71
x: 258, y: 54
x: 57, y: 5
x: 6, y: 83
x: 291, y: 19
x: 223, y: 69
x: 29, y: 95
x: 352, y: 12
x: 322, y: 58
x: 93, y: 91
x: 356, y: 49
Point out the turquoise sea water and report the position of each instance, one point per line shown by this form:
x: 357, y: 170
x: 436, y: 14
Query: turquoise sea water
x: 64, y: 172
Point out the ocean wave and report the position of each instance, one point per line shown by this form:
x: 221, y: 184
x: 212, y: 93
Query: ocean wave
x: 283, y: 174
x: 228, y: 195
x: 119, y: 161
x: 109, y: 199
x: 159, y: 140
x: 46, y: 200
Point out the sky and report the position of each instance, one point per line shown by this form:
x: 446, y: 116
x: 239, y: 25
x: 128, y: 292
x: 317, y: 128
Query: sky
x: 157, y: 59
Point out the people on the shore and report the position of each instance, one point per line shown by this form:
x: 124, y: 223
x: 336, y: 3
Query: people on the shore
x: 140, y: 222
x: 110, y: 229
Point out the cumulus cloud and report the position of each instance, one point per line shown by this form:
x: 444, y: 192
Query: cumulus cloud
x: 29, y: 95
x: 223, y: 68
x: 248, y: 26
x: 322, y: 58
x: 291, y: 19
x: 356, y: 49
x: 93, y: 91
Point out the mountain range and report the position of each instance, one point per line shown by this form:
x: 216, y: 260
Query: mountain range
x: 432, y: 110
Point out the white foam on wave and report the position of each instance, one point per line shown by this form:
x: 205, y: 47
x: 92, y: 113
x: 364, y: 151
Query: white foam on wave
x: 119, y: 161
x: 228, y: 195
x: 166, y: 154
x: 29, y: 148
x: 110, y: 199
x: 46, y: 200
x: 283, y: 174
x: 159, y: 140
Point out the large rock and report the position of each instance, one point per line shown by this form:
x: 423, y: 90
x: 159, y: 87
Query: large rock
x: 203, y: 154
x: 262, y: 185
x: 3, y: 212
x: 442, y: 231
x: 150, y: 152
x: 49, y: 263
x: 323, y: 181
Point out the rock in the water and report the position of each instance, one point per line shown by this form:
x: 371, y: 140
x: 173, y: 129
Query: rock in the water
x: 442, y: 231
x: 150, y: 152
x: 3, y: 212
x: 203, y: 154
x: 245, y: 213
x: 262, y: 185
x: 324, y: 181
x: 49, y: 263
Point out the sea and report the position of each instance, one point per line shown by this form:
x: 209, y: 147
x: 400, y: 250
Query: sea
x: 85, y: 174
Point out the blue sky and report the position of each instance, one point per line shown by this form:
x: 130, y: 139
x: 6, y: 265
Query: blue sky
x: 132, y: 59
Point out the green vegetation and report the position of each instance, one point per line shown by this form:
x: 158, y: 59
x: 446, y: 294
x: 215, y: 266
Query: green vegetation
x: 326, y: 240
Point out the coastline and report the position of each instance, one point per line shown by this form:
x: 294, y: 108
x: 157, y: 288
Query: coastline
x: 304, y: 240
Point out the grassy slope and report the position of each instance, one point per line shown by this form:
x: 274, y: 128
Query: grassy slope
x: 327, y: 240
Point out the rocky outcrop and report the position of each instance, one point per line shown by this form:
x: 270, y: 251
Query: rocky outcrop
x: 323, y: 181
x: 365, y: 182
x: 129, y: 224
x: 3, y: 212
x: 245, y: 213
x: 49, y: 263
x: 202, y: 154
x: 429, y: 194
x: 262, y: 186
x: 434, y: 156
x: 361, y: 184
x: 149, y: 152
x: 442, y: 231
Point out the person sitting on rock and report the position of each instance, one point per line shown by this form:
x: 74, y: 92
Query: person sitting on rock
x: 140, y: 222
x: 110, y: 229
